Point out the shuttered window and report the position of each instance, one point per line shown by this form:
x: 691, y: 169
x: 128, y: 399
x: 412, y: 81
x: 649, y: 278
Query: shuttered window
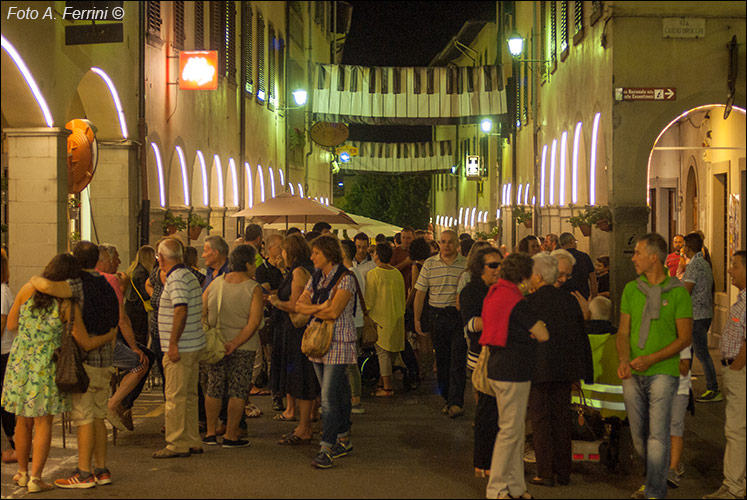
x: 280, y: 86
x: 153, y: 11
x: 543, y: 38
x: 261, y: 87
x: 596, y: 11
x: 217, y: 33
x: 247, y: 54
x: 179, y: 36
x: 199, y: 25
x: 271, y: 62
x: 230, y: 37
x: 563, y: 28
x: 578, y: 21
x: 553, y: 35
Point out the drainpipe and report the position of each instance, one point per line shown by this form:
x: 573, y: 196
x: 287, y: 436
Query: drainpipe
x: 144, y: 221
x: 242, y: 125
x: 309, y: 102
x: 286, y: 100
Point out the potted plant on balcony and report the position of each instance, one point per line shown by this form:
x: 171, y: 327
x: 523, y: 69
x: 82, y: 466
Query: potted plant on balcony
x: 523, y: 216
x: 602, y: 217
x: 582, y: 221
x: 172, y: 223
x: 196, y: 225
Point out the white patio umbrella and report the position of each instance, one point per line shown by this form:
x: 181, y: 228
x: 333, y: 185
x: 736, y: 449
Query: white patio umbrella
x: 289, y: 209
x: 371, y: 227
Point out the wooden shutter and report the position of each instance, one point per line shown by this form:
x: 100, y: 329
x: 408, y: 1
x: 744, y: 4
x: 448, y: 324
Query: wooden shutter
x: 179, y: 36
x: 199, y: 25
x: 153, y: 10
x: 247, y: 54
x: 271, y: 62
x: 261, y: 57
x: 230, y: 40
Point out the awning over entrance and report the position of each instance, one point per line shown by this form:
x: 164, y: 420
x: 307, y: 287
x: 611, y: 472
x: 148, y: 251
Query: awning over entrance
x: 406, y: 96
x: 410, y: 157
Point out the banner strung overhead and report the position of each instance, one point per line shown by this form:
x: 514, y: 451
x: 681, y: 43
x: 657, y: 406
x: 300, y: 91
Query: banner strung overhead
x: 406, y: 96
x: 410, y: 157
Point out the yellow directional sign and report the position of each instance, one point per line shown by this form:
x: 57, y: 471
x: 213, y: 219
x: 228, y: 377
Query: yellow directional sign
x: 351, y: 150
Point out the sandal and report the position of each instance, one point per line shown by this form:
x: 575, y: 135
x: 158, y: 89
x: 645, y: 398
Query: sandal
x: 260, y: 392
x: 294, y: 440
x: 36, y: 485
x: 167, y: 453
x: 251, y: 411
x: 282, y: 418
x: 21, y: 478
x: 384, y: 393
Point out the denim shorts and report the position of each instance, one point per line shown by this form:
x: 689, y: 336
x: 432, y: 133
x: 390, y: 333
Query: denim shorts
x: 126, y: 359
x: 679, y: 409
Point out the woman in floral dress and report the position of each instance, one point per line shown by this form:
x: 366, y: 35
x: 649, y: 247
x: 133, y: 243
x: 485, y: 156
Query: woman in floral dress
x: 29, y: 389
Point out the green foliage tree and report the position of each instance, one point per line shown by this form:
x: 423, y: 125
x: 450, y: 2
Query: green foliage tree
x: 401, y: 200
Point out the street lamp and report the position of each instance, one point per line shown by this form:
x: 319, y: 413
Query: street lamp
x: 515, y: 44
x: 299, y: 96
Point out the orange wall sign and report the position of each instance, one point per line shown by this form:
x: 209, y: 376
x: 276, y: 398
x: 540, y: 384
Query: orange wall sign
x: 198, y: 70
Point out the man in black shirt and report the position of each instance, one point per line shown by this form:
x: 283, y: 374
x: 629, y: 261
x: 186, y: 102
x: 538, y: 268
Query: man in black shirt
x: 584, y: 278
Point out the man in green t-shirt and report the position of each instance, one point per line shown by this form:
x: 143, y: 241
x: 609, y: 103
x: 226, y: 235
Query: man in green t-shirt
x: 655, y: 325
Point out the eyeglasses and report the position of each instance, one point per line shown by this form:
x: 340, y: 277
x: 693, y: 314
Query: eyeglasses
x: 493, y: 265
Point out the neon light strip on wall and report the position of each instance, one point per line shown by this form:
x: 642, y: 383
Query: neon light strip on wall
x: 272, y: 181
x: 519, y: 193
x: 300, y: 190
x: 234, y: 180
x: 183, y: 167
x: 553, y: 150
x: 574, y: 180
x: 159, y: 169
x: 203, y: 170
x: 282, y: 176
x: 291, y: 189
x: 249, y: 185
x: 115, y: 96
x: 542, y: 176
x: 563, y: 164
x: 221, y: 193
x: 526, y: 194
x: 18, y: 60
x: 593, y: 161
x: 261, y: 175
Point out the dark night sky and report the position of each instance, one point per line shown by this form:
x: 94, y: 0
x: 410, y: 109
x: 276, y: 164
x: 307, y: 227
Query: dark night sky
x: 404, y: 34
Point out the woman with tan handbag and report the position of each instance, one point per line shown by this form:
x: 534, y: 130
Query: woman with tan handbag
x: 327, y: 297
x: 295, y: 373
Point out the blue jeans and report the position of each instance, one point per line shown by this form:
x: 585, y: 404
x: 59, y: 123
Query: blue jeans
x: 648, y: 401
x: 700, y: 346
x: 336, y: 404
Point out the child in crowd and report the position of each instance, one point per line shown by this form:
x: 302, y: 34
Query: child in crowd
x: 602, y: 268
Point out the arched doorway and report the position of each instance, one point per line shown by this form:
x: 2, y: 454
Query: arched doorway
x: 694, y: 183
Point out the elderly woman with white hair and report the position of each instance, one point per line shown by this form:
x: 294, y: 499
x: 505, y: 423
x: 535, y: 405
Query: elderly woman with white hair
x: 559, y: 362
x: 566, y: 261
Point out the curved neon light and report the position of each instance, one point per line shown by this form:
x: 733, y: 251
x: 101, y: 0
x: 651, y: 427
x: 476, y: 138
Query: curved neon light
x: 249, y: 185
x: 300, y: 190
x: 563, y: 162
x: 574, y: 175
x: 526, y: 194
x: 593, y: 161
x: 115, y: 96
x: 461, y: 211
x: 508, y: 194
x: 291, y: 189
x: 282, y: 176
x: 472, y: 218
x: 18, y: 60
x: 261, y: 183
x: 272, y: 181
x: 183, y: 166
x: 234, y: 181
x: 203, y: 170
x: 159, y: 169
x: 519, y: 192
x: 542, y: 176
x: 221, y: 193
x: 553, y: 150
x: 497, y: 214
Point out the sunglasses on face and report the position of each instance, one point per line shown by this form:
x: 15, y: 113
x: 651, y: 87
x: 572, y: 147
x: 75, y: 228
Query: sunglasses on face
x: 493, y: 265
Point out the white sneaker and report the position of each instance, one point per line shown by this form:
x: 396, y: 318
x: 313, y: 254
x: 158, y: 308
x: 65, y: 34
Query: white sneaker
x: 722, y: 492
x: 529, y: 456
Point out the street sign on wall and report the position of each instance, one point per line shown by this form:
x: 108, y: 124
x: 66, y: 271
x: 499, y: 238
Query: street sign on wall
x: 645, y: 94
x: 198, y: 69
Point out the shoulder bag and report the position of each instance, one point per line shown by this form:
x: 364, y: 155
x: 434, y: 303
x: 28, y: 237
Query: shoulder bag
x: 215, y: 348
x: 587, y: 422
x: 71, y: 376
x: 317, y: 338
x: 370, y: 327
x: 480, y: 374
x: 146, y: 303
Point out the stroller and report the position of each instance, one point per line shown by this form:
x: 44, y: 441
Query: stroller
x: 604, y: 438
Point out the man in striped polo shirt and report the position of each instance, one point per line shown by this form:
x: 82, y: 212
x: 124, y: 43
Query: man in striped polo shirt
x: 439, y: 278
x: 182, y: 341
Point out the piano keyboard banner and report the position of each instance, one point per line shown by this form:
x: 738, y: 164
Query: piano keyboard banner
x: 406, y: 96
x: 410, y: 157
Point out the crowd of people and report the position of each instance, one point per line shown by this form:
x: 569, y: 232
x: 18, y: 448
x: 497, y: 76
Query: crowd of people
x: 462, y: 308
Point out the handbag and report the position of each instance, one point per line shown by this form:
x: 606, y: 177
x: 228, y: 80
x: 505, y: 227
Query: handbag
x: 215, y: 348
x: 317, y: 338
x: 146, y: 303
x: 480, y: 373
x: 71, y: 376
x: 370, y: 333
x: 587, y: 422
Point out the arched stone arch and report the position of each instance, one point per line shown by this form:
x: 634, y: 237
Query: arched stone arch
x: 20, y: 108
x: 691, y: 198
x: 598, y: 162
x: 249, y: 185
x: 200, y: 187
x: 271, y: 182
x: 98, y: 98
x: 580, y: 163
x: 156, y: 174
x: 179, y: 185
x: 232, y: 184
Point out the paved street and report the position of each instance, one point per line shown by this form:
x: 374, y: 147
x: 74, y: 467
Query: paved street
x: 404, y: 448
